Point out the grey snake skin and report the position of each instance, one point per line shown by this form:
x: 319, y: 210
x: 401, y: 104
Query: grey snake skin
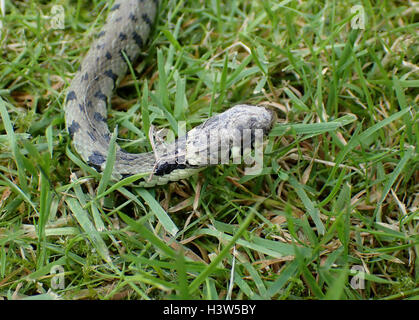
x: 126, y: 30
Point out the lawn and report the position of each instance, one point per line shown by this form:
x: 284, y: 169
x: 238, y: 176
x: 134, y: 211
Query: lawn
x: 334, y: 213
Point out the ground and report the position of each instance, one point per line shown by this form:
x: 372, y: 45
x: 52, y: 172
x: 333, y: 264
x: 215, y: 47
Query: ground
x: 332, y: 215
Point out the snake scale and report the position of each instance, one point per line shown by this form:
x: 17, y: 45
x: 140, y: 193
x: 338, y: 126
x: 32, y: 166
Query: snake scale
x: 126, y: 31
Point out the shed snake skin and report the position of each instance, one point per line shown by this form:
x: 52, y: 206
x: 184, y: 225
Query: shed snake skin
x: 126, y: 30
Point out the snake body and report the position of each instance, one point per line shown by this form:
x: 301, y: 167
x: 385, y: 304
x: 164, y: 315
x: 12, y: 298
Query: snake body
x: 126, y: 31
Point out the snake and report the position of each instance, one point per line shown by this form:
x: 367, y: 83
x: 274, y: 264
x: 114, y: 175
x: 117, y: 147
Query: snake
x: 120, y: 42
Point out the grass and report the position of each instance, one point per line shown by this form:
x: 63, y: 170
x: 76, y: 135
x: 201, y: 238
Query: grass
x: 338, y: 193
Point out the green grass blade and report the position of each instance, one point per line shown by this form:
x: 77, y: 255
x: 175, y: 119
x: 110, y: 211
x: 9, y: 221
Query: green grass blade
x: 214, y: 263
x: 13, y: 145
x: 82, y: 218
x: 286, y: 274
x: 110, y: 162
x: 148, y: 235
x: 391, y: 179
x: 308, y: 204
x: 357, y: 139
x: 156, y: 208
x: 311, y: 128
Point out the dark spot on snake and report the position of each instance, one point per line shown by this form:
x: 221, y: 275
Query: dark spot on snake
x: 111, y: 75
x: 133, y: 17
x: 95, y: 166
x: 101, y: 96
x: 122, y: 36
x: 71, y: 96
x: 107, y: 136
x: 98, y: 117
x: 166, y: 168
x: 100, y: 46
x: 126, y: 175
x: 91, y: 135
x: 96, y: 159
x: 81, y: 107
x: 85, y: 77
x: 138, y: 39
x: 118, y: 19
x: 115, y: 7
x: 73, y: 128
x: 147, y: 19
x: 101, y: 34
x: 108, y: 55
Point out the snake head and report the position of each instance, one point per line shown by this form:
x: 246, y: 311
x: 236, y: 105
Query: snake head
x: 242, y: 117
x: 220, y: 139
